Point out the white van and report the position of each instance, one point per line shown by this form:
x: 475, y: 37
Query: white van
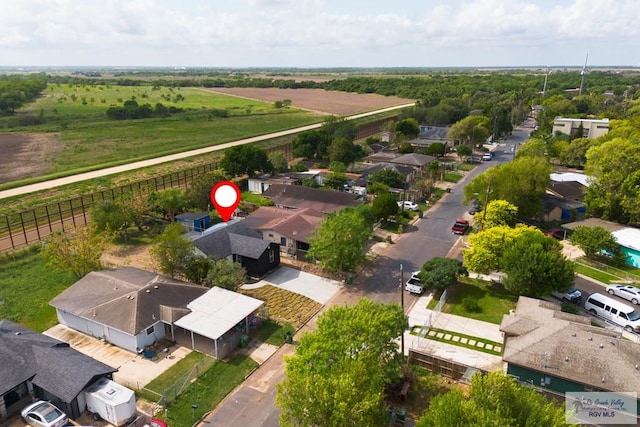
x: 614, y: 311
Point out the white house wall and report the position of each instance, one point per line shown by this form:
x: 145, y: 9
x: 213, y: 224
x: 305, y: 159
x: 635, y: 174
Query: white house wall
x: 144, y: 338
x: 97, y: 330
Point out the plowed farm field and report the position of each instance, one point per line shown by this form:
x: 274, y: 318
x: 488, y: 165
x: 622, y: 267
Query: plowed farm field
x: 317, y: 100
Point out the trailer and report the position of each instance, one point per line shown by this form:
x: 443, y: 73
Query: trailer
x: 111, y: 402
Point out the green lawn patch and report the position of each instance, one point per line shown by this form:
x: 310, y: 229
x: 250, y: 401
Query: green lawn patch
x: 165, y: 382
x: 27, y: 286
x: 213, y: 386
x: 492, y: 299
x: 461, y: 340
x: 273, y: 332
x: 452, y: 177
x: 466, y: 166
x: 595, y: 273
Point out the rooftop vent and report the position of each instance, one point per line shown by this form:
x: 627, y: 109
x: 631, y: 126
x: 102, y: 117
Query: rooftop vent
x: 148, y: 291
x: 155, y: 287
x: 601, y: 345
x: 573, y: 334
x: 18, y: 333
x: 566, y: 358
x: 602, y: 379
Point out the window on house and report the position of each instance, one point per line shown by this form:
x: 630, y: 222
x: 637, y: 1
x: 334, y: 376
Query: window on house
x: 270, y: 234
x: 150, y: 331
x: 283, y: 241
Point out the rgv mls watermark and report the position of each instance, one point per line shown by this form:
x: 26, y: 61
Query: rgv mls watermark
x: 601, y: 408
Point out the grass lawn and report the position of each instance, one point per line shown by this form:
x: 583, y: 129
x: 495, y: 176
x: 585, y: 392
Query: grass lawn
x: 595, y: 273
x: 452, y: 177
x: 209, y: 390
x: 493, y: 300
x: 466, y: 166
x: 273, y: 332
x: 175, y: 374
x: 28, y: 284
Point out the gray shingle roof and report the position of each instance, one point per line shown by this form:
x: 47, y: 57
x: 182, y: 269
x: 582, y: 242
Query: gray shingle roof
x: 53, y: 365
x: 567, y: 346
x: 296, y: 224
x: 413, y: 159
x: 296, y: 196
x: 118, y: 298
x: 236, y: 238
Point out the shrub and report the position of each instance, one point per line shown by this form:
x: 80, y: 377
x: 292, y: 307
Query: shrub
x: 470, y: 304
x: 569, y: 307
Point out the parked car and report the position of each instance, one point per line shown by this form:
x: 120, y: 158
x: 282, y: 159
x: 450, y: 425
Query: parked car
x: 414, y: 285
x: 155, y: 422
x: 572, y: 295
x: 627, y: 292
x: 460, y: 226
x: 487, y: 156
x: 557, y: 233
x: 408, y: 206
x: 614, y: 311
x: 475, y: 207
x: 44, y: 414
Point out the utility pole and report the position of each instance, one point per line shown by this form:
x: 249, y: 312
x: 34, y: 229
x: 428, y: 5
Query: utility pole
x: 402, y: 305
x: 486, y: 202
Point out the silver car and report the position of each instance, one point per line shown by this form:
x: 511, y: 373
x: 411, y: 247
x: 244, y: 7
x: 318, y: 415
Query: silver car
x: 44, y: 414
x: 627, y: 292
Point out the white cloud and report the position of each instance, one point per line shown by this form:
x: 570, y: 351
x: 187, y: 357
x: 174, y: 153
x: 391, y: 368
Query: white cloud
x: 314, y: 28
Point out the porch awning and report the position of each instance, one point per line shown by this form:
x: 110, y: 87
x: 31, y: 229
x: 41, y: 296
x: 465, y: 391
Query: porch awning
x: 217, y: 311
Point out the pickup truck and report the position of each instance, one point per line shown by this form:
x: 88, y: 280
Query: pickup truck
x: 414, y: 285
x: 460, y: 226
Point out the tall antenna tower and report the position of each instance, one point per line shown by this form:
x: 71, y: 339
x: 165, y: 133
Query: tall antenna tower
x: 583, y: 73
x: 546, y: 75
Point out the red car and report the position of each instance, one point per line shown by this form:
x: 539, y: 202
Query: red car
x: 460, y: 226
x: 558, y: 233
x: 155, y: 422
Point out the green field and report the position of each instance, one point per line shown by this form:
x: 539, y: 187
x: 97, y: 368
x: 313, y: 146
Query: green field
x: 76, y: 115
x: 27, y: 284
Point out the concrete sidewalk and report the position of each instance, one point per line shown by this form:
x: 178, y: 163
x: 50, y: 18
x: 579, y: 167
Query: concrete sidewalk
x: 419, y: 315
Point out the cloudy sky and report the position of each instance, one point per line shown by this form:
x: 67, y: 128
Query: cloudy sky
x: 319, y: 33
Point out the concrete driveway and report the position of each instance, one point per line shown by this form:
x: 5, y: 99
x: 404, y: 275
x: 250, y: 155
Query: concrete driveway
x: 315, y: 287
x: 134, y: 371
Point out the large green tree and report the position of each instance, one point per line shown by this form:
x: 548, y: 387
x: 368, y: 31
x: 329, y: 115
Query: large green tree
x: 494, y: 399
x: 339, y: 242
x: 614, y: 165
x: 441, y: 273
x: 593, y: 240
x: 245, y: 159
x: 111, y: 216
x: 488, y: 246
x: 338, y: 373
x: 389, y: 177
x: 496, y: 213
x: 535, y: 266
x: 172, y: 251
x: 384, y: 206
x: 409, y: 128
x: 225, y: 274
x: 169, y: 201
x: 198, y: 195
x: 78, y: 252
x: 472, y: 130
x: 312, y: 144
x: 342, y: 150
x: 522, y: 182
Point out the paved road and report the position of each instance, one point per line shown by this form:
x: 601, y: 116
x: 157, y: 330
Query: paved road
x: 164, y: 159
x: 252, y: 403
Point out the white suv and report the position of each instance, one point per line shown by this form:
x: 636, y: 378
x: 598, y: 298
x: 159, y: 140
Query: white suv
x: 627, y: 292
x: 407, y: 205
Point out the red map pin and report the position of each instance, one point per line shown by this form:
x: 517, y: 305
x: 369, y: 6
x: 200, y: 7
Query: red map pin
x: 225, y: 196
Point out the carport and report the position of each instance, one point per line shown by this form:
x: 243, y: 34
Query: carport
x: 220, y: 316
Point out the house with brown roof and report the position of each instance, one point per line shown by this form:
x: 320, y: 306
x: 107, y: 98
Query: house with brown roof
x: 562, y: 352
x: 290, y: 228
x: 298, y: 197
x: 570, y: 190
x: 126, y: 306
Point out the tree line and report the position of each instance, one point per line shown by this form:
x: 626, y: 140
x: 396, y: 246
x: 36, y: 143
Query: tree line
x: 19, y: 90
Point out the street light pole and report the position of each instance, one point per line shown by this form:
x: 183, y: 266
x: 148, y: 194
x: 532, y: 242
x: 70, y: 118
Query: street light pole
x: 402, y: 305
